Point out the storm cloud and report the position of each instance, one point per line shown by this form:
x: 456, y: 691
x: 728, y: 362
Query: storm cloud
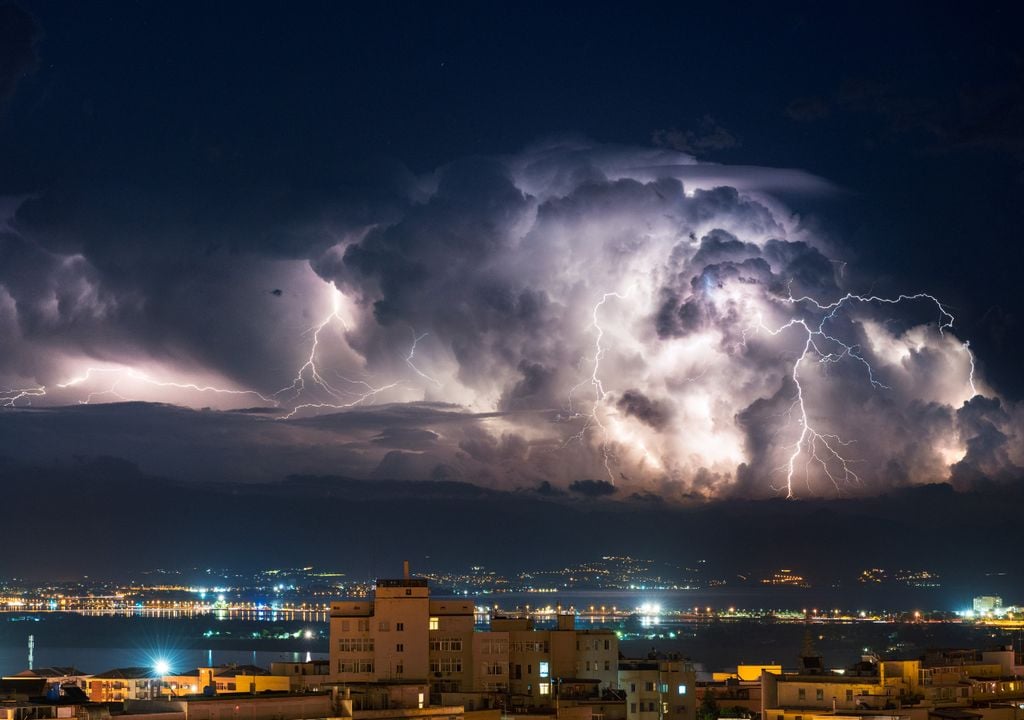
x: 581, y: 315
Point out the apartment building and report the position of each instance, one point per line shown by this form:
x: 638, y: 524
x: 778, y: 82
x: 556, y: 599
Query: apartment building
x: 403, y: 636
x: 657, y: 689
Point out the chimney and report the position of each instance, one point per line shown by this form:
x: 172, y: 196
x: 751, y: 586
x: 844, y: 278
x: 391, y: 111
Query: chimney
x: 405, y: 569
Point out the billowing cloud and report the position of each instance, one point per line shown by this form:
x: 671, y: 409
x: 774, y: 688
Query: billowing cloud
x: 571, y: 314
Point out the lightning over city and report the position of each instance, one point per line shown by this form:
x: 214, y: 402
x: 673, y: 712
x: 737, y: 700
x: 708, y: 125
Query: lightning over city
x: 504, y: 360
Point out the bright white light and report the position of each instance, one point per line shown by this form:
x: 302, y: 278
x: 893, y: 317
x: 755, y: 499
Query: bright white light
x: 162, y: 667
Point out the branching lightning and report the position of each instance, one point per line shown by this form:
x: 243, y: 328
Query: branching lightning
x: 11, y: 397
x: 308, y: 377
x: 593, y: 418
x: 818, y: 448
x: 133, y: 374
x: 814, y: 448
x: 412, y: 353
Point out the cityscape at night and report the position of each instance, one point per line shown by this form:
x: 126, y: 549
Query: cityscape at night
x: 487, y: 360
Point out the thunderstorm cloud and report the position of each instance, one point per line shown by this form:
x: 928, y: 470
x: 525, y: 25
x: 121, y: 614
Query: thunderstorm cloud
x: 573, y: 317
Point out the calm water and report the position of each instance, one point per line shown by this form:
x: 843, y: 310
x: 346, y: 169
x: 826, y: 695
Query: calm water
x: 95, y: 644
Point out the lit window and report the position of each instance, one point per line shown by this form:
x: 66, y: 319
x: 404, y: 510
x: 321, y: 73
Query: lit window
x: 545, y: 688
x: 682, y: 690
x: 435, y: 623
x: 544, y: 672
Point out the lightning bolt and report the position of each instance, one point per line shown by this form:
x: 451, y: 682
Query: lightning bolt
x: 133, y: 374
x: 10, y: 397
x: 593, y: 418
x: 340, y: 394
x: 298, y: 384
x: 412, y: 353
x: 815, y: 447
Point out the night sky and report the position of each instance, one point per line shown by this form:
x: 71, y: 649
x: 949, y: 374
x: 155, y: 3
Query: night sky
x: 588, y: 253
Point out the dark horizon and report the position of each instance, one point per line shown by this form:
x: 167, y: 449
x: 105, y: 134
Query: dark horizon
x: 134, y: 523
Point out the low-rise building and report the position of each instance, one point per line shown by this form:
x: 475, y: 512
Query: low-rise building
x: 658, y: 689
x: 312, y: 675
x: 224, y: 679
x: 120, y: 684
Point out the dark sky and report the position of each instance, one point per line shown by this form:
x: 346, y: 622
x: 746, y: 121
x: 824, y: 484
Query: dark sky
x: 525, y: 243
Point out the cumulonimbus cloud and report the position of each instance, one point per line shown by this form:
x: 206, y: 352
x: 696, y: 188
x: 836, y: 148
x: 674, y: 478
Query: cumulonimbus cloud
x: 616, y: 315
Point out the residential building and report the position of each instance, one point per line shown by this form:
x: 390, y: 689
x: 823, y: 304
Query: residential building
x: 658, y: 689
x: 402, y: 636
x: 312, y: 675
x: 224, y: 679
x: 120, y: 684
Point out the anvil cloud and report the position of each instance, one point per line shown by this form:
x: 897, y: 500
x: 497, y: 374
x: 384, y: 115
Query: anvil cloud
x: 576, y: 314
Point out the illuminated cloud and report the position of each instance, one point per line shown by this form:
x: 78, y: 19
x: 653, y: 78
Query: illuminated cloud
x: 580, y: 315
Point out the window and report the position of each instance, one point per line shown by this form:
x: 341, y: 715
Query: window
x: 606, y: 645
x: 400, y: 647
x: 544, y: 688
x: 649, y: 686
x: 399, y: 669
x: 819, y: 694
x: 663, y: 688
x: 384, y: 626
x: 450, y: 664
x: 355, y: 644
x: 544, y: 671
x: 607, y: 665
x: 435, y: 624
x: 519, y: 672
x: 650, y: 706
x: 632, y: 707
x: 493, y: 647
x: 849, y: 696
x: 399, y: 627
x: 681, y: 690
x: 588, y: 666
x: 632, y: 687
x: 446, y: 645
x: 363, y: 625
x: 801, y: 694
x: 344, y: 625
x: 408, y: 591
